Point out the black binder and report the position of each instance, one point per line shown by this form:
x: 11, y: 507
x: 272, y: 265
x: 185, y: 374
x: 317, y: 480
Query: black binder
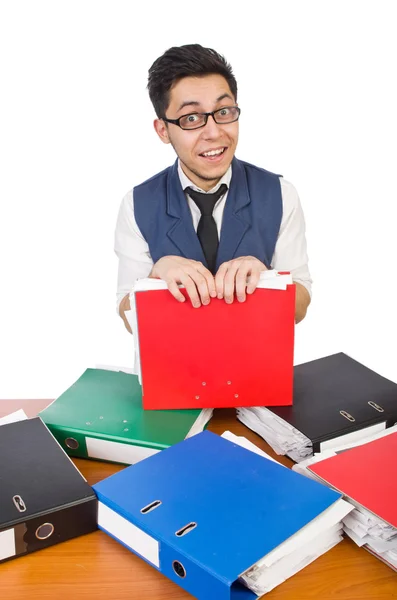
x: 44, y: 499
x: 337, y: 395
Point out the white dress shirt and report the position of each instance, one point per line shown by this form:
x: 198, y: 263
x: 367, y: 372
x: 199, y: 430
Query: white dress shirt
x: 290, y: 252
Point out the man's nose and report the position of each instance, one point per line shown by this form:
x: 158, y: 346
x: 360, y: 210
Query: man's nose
x: 211, y: 128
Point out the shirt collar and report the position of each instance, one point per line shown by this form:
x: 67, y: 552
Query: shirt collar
x: 185, y: 181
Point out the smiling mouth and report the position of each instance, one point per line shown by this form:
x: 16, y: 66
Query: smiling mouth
x: 214, y: 153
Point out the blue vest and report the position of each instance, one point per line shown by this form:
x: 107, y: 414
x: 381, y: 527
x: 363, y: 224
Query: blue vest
x: 251, y: 218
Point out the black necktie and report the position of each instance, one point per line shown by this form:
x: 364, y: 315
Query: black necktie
x: 206, y: 231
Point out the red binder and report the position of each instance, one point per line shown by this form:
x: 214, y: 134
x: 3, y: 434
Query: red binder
x: 367, y: 475
x: 219, y: 355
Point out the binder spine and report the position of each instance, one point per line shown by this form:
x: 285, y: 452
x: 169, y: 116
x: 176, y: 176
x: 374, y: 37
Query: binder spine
x: 316, y: 446
x: 191, y: 576
x: 11, y: 542
x: 72, y: 442
x: 199, y: 581
x: 52, y: 528
x: 388, y: 422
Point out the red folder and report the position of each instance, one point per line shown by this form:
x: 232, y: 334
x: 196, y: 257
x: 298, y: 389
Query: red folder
x: 219, y: 355
x: 367, y: 474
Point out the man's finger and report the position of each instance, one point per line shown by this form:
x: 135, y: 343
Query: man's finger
x: 241, y: 281
x: 229, y: 282
x: 175, y: 291
x: 253, y: 280
x: 191, y: 289
x: 219, y: 279
x: 201, y: 284
x: 209, y: 279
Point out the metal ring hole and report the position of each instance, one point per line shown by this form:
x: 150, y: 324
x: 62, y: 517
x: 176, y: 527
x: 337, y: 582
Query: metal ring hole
x: 71, y: 443
x: 44, y: 531
x: 186, y: 529
x: 347, y: 415
x: 150, y: 507
x: 19, y: 503
x: 179, y: 569
x: 376, y: 406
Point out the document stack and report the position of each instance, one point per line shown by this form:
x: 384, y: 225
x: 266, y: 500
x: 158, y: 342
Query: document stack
x: 366, y: 475
x: 277, y: 432
x: 219, y: 520
x: 222, y: 354
x: 335, y: 400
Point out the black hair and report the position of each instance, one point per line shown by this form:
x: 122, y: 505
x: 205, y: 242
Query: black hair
x: 191, y: 60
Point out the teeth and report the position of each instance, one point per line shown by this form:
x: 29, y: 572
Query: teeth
x: 213, y: 152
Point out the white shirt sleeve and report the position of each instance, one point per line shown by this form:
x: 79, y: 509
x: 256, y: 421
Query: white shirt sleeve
x: 290, y: 253
x: 131, y: 248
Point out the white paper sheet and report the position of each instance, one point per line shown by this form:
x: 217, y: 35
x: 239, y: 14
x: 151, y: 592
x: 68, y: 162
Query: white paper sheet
x: 18, y: 415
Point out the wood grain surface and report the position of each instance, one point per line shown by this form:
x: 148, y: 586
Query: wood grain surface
x: 96, y: 567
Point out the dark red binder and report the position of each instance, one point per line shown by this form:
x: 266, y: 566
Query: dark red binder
x: 367, y: 475
x: 219, y: 355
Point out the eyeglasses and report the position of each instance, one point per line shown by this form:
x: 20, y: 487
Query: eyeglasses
x: 222, y: 116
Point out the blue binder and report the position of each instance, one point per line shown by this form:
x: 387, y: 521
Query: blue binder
x: 205, y: 510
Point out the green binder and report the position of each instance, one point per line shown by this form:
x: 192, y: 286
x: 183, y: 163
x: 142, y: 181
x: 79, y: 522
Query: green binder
x: 101, y: 417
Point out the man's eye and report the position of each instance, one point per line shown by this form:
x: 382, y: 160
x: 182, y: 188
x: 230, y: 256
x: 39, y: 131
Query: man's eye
x: 192, y: 118
x: 224, y: 112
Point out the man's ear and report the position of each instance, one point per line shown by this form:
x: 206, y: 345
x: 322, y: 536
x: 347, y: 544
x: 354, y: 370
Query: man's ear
x: 162, y: 131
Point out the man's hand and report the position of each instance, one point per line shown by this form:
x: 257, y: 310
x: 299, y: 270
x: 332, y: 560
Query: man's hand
x: 125, y: 305
x: 198, y: 281
x: 302, y: 301
x: 232, y: 277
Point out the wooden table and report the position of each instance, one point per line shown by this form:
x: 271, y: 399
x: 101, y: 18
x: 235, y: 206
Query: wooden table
x: 95, y: 567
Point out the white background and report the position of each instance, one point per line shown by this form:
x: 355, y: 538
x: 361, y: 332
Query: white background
x: 317, y: 88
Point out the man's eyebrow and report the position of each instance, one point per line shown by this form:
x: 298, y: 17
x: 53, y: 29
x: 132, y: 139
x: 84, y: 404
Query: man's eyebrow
x: 195, y: 103
x: 188, y: 103
x: 223, y: 97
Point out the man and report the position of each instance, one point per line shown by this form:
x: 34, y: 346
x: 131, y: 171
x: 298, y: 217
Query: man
x: 210, y: 222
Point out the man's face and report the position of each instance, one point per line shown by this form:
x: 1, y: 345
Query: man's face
x: 201, y: 94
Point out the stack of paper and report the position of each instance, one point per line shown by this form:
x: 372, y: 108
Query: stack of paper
x: 261, y: 578
x: 219, y: 355
x: 336, y: 400
x: 366, y: 475
x: 234, y: 526
x: 278, y: 433
x: 377, y: 536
